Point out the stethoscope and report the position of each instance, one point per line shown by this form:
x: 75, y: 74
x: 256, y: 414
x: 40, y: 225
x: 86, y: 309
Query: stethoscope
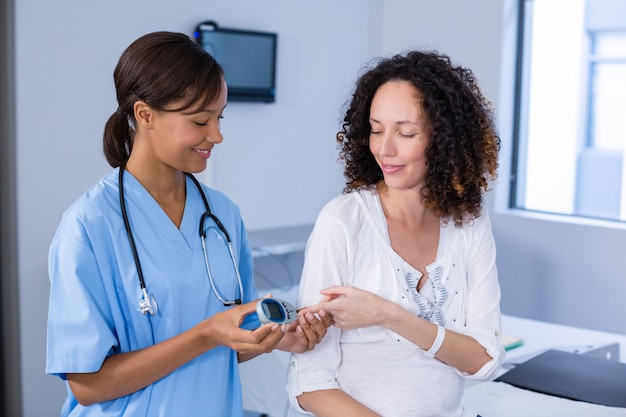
x: 147, y: 303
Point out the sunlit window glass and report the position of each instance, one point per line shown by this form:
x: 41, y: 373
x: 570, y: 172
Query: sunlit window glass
x: 571, y: 109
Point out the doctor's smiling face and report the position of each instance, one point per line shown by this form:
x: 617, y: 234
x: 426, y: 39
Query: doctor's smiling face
x: 182, y: 139
x: 399, y: 135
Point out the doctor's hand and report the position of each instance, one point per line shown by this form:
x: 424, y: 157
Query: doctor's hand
x: 352, y: 308
x: 224, y: 328
x: 306, y: 332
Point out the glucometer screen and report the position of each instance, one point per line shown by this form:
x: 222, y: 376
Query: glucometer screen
x: 270, y: 310
x: 274, y: 310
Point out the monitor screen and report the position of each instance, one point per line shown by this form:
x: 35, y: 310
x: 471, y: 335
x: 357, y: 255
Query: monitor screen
x: 247, y: 57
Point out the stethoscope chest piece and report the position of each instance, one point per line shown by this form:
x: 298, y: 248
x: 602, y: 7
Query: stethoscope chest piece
x: 148, y: 304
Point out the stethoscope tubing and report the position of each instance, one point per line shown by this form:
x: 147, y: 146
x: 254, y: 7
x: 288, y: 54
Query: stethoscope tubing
x: 146, y: 302
x: 131, y: 239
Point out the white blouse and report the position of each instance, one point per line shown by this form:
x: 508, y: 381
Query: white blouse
x: 350, y: 246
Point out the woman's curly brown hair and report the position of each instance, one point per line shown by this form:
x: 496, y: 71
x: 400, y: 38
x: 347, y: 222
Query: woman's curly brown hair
x: 462, y: 155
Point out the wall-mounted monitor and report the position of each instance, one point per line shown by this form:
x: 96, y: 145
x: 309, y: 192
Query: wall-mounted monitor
x: 247, y: 57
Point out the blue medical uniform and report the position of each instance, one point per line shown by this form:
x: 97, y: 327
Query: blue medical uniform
x: 95, y: 293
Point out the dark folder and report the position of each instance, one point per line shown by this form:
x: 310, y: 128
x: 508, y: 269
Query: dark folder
x: 572, y: 376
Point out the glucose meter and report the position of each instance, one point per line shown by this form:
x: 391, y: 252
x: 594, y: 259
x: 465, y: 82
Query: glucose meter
x: 274, y: 310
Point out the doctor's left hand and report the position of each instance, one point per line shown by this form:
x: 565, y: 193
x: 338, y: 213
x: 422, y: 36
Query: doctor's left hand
x: 224, y: 329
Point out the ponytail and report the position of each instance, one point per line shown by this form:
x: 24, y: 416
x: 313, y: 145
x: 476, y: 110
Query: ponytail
x: 118, y: 139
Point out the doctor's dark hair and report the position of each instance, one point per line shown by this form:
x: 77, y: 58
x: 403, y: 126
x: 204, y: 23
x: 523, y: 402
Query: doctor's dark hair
x: 158, y: 68
x: 462, y: 155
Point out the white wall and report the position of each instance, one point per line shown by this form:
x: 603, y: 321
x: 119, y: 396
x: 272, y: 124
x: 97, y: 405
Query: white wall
x: 278, y: 161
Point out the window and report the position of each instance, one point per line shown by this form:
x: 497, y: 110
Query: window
x: 570, y: 136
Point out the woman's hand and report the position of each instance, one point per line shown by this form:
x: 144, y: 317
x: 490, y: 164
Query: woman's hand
x: 306, y: 332
x: 352, y: 308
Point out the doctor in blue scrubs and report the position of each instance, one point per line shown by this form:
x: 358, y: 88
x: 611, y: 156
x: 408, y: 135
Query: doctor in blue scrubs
x: 151, y: 272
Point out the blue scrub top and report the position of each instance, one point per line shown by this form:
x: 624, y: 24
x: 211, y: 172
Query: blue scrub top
x: 95, y: 293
